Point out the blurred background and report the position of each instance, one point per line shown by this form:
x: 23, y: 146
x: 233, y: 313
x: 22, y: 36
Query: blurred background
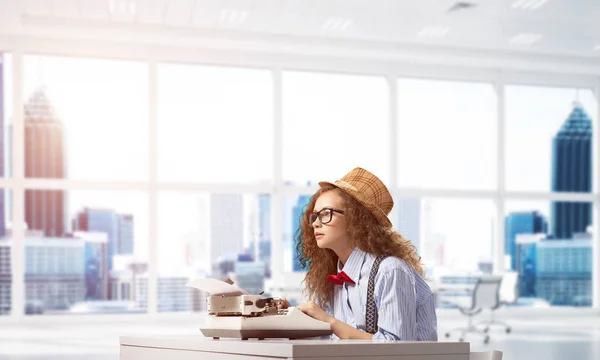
x: 149, y: 142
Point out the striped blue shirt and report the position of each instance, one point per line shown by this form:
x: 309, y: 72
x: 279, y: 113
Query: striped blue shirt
x: 405, y: 303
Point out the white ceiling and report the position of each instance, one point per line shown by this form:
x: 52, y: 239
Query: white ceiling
x: 554, y: 26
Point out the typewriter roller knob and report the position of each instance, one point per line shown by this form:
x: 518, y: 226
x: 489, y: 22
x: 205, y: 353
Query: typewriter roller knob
x: 261, y: 303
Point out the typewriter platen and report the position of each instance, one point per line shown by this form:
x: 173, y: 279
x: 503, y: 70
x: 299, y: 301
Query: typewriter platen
x: 233, y: 313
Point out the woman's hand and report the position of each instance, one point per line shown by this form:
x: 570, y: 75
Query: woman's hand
x: 340, y: 329
x: 313, y: 310
x: 283, y: 304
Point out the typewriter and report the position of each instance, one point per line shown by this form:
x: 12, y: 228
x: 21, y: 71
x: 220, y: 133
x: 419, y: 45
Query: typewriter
x: 233, y: 313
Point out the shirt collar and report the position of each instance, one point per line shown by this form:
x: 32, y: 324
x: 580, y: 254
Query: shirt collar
x: 353, y: 264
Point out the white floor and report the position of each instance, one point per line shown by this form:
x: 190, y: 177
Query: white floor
x: 536, y: 335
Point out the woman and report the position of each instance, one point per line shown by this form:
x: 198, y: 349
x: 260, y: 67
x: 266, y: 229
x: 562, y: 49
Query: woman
x: 366, y: 277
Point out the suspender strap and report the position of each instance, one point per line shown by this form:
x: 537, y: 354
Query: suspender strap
x: 371, y: 313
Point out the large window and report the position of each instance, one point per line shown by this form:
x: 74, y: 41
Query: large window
x: 237, y: 153
x: 84, y: 120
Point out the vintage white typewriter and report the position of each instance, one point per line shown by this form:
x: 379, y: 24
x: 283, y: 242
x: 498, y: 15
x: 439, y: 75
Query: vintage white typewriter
x: 233, y: 313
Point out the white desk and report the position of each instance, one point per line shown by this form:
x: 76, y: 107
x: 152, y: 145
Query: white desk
x: 192, y: 347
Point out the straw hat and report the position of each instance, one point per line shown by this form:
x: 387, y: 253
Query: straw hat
x: 368, y: 190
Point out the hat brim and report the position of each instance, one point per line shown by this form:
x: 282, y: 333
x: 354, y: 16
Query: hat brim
x: 350, y: 190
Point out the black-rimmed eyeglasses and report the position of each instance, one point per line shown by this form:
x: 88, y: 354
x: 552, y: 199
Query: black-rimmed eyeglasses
x: 324, y: 215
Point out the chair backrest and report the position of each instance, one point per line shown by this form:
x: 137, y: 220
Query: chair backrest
x: 486, y: 355
x: 509, y: 291
x: 486, y: 292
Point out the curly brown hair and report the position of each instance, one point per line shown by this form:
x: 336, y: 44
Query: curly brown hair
x: 366, y: 232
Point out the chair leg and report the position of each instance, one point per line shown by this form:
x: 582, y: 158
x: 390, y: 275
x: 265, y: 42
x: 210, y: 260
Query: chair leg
x: 501, y: 324
x: 470, y: 329
x: 492, y: 322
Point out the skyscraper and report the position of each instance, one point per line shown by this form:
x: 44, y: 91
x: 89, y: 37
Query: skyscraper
x: 409, y: 220
x: 125, y: 234
x: 264, y: 232
x: 530, y: 222
x: 95, y: 264
x: 226, y: 226
x: 264, y: 217
x: 572, y: 172
x: 564, y: 271
x: 297, y: 211
x: 527, y: 260
x: 2, y: 221
x: 118, y: 228
x: 44, y: 158
x: 197, y: 236
x: 249, y: 274
x: 54, y: 280
x: 433, y: 245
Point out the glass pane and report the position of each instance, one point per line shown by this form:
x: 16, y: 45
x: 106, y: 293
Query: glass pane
x: 216, y: 235
x: 332, y: 124
x: 85, y: 118
x: 549, y: 138
x: 454, y: 236
x: 434, y: 148
x: 549, y: 244
x: 215, y: 124
x: 85, y: 251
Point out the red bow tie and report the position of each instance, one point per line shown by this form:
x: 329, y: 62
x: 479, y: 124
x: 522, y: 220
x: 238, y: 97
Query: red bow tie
x: 339, y: 279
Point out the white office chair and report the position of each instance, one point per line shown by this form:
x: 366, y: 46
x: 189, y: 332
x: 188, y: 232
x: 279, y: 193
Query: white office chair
x: 508, y: 295
x: 485, y: 295
x: 486, y: 355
